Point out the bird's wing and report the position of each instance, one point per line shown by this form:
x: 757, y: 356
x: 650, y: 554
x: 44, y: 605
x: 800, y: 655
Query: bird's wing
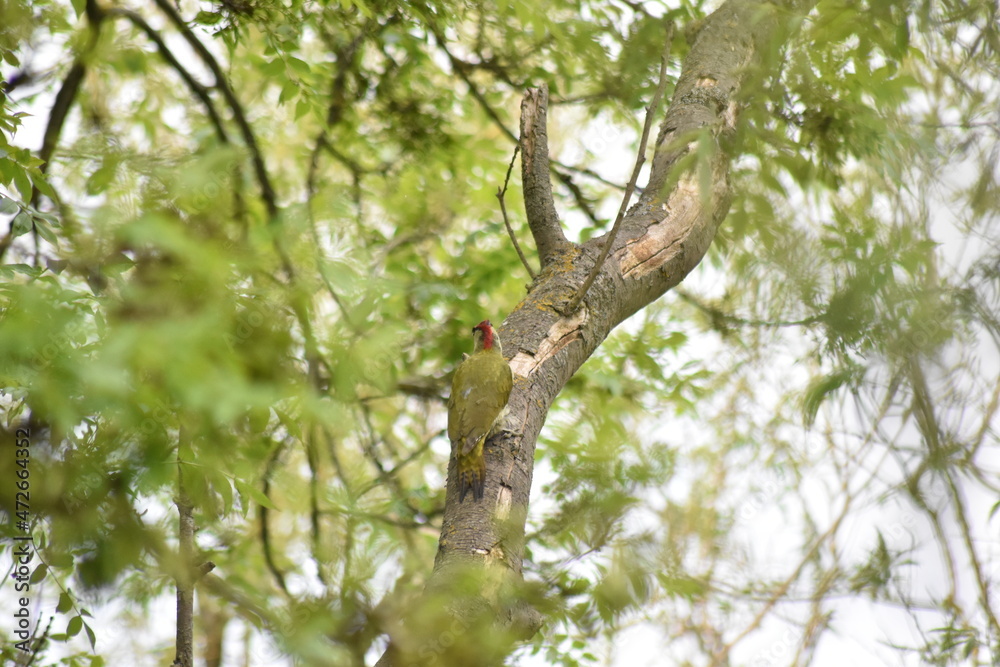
x: 484, y: 401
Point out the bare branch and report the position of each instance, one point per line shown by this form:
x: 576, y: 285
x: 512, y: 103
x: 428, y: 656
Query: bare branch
x: 538, y: 204
x: 57, y: 118
x: 503, y: 209
x: 460, y: 68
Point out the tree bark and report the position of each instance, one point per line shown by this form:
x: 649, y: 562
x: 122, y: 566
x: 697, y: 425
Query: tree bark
x: 184, y: 642
x: 662, y: 238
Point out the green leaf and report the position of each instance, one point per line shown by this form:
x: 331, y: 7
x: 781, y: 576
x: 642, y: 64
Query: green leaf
x: 39, y: 573
x: 256, y: 494
x: 45, y: 231
x: 7, y: 205
x: 223, y: 486
x: 91, y: 636
x: 23, y: 183
x: 65, y: 602
x: 289, y: 91
x: 207, y: 18
x: 8, y: 271
x: 21, y: 224
x: 291, y: 424
x: 74, y: 626
x: 100, y: 179
x: 302, y: 107
x: 819, y: 390
x: 300, y: 67
x: 43, y: 185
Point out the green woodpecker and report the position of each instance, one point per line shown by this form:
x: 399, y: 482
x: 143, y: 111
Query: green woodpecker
x: 479, y: 394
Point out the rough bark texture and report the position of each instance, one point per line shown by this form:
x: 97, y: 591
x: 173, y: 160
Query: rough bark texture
x: 663, y: 237
x: 185, y: 588
x: 539, y: 206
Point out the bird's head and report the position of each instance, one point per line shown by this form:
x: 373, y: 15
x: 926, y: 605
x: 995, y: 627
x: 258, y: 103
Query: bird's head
x: 485, y: 337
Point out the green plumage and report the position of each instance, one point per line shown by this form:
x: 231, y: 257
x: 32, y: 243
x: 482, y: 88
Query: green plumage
x: 479, y: 393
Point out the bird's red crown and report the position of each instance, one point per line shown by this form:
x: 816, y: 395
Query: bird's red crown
x: 487, y: 330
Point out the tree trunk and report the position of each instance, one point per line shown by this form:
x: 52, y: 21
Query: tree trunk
x: 661, y: 239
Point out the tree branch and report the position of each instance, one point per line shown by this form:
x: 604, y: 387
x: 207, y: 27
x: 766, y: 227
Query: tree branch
x: 265, y: 529
x: 184, y: 656
x: 503, y: 209
x: 539, y: 207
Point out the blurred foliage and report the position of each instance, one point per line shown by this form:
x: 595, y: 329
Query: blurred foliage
x: 276, y: 320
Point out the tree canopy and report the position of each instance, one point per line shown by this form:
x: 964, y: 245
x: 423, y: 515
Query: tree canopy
x: 756, y: 409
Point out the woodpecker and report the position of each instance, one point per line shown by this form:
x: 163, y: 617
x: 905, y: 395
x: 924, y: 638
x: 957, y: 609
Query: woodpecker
x: 479, y: 393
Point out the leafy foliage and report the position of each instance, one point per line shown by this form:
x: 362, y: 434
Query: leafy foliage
x: 248, y: 280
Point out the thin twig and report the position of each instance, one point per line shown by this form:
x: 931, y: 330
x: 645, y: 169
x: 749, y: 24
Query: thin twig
x: 981, y: 581
x: 639, y: 160
x: 57, y: 118
x: 503, y: 209
x: 457, y: 68
x: 39, y: 641
x: 265, y: 533
x: 313, y: 460
x: 590, y: 173
x: 574, y: 189
x: 716, y: 315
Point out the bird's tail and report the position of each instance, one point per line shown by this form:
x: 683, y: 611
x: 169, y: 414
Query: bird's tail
x: 472, y: 474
